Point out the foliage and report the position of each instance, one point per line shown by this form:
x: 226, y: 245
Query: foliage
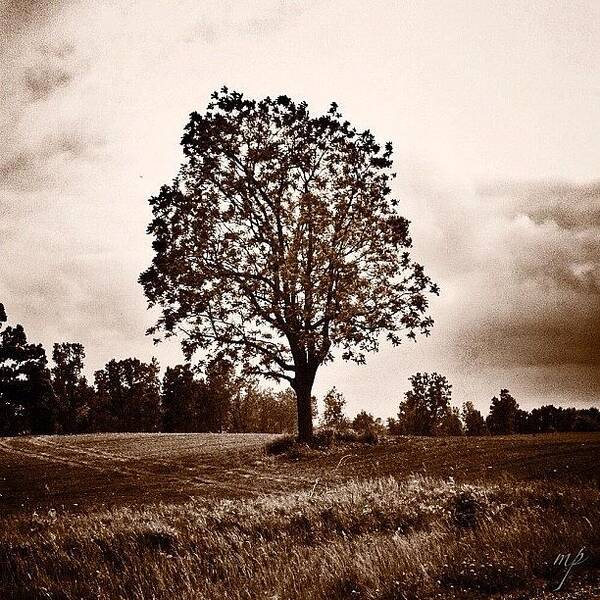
x: 426, y: 405
x: 451, y: 423
x: 473, y: 420
x: 27, y: 401
x: 281, y: 444
x: 71, y: 387
x: 364, y: 421
x: 128, y: 396
x: 182, y: 400
x: 333, y: 410
x: 278, y: 242
x: 504, y: 411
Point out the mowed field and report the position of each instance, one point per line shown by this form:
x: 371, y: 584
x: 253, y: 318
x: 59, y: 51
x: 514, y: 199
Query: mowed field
x: 86, y: 472
x: 214, y: 517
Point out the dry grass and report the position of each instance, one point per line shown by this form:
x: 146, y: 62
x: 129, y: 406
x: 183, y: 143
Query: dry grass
x: 383, y: 538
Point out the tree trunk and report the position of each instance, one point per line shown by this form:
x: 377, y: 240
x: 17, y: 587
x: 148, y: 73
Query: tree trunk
x: 302, y: 385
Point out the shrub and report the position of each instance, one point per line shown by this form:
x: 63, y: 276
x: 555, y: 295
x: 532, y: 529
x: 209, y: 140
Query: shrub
x: 323, y: 438
x: 369, y: 436
x: 281, y: 444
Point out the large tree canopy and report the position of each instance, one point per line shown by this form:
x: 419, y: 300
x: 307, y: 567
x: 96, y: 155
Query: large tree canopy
x: 279, y: 242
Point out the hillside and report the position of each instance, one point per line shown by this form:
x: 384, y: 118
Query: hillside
x: 86, y: 472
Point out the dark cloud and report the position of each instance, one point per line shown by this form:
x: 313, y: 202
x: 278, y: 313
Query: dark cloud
x: 542, y: 305
x: 568, y: 337
x: 570, y: 206
x: 38, y: 167
x: 519, y: 269
x: 19, y: 15
x: 41, y: 82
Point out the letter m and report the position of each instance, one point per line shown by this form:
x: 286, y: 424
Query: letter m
x: 562, y: 559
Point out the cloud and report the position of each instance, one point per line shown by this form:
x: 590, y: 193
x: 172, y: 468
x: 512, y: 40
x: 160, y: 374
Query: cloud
x: 51, y: 68
x: 94, y: 97
x: 16, y: 16
x: 44, y: 163
x: 44, y: 135
x: 519, y: 267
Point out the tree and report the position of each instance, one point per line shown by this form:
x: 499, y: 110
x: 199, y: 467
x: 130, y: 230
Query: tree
x: 333, y: 409
x: 425, y: 405
x: 182, y: 399
x: 70, y: 385
x: 551, y: 418
x: 587, y: 419
x: 473, y: 420
x: 222, y: 386
x: 128, y: 396
x: 363, y: 421
x: 451, y: 423
x: 260, y: 410
x: 502, y: 418
x: 27, y: 400
x: 393, y: 426
x: 278, y: 242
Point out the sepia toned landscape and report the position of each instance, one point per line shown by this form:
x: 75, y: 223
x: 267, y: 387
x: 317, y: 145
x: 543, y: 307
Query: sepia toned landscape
x: 299, y: 300
x: 217, y: 516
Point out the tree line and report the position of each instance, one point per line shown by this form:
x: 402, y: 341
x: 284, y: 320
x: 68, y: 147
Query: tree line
x: 426, y: 410
x: 130, y: 396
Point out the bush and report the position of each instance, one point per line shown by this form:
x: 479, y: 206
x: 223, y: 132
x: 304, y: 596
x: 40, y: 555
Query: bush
x: 281, y: 444
x: 369, y: 436
x: 323, y: 439
x: 348, y: 436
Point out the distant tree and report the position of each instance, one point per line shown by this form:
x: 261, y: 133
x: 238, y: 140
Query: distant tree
x: 278, y: 242
x: 256, y: 409
x: 522, y: 421
x: 425, y: 406
x: 587, y: 419
x: 551, y: 418
x: 222, y: 387
x: 244, y: 407
x: 71, y: 387
x: 363, y: 421
x: 183, y: 396
x: 27, y: 401
x: 128, y: 396
x: 503, y: 415
x: 285, y: 414
x: 451, y: 425
x: 473, y: 420
x: 393, y: 426
x: 333, y: 409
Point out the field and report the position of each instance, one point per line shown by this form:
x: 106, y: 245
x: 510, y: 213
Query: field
x: 214, y: 516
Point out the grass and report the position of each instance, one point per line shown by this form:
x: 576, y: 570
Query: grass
x: 384, y: 539
x: 407, y: 518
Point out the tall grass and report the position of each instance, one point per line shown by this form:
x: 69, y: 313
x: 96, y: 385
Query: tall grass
x: 384, y: 539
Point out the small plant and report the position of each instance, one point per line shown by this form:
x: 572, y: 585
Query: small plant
x: 465, y: 510
x: 281, y: 444
x: 369, y: 436
x: 323, y: 439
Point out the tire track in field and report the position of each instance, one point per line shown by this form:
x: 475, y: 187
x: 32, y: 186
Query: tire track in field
x: 196, y: 480
x: 244, y: 472
x: 11, y: 449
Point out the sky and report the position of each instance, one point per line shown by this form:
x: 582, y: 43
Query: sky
x: 493, y: 110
